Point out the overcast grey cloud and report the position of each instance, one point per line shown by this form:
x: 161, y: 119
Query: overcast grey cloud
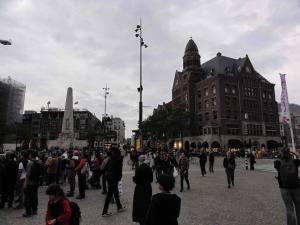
x: 86, y: 44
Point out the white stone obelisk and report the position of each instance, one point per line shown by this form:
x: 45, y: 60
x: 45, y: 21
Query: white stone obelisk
x: 66, y: 137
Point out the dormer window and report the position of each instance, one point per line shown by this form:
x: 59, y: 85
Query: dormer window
x: 248, y: 69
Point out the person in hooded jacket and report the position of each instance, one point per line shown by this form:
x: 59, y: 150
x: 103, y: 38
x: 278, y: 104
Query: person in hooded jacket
x: 164, y: 208
x: 143, y: 191
x: 58, y: 210
x: 113, y: 173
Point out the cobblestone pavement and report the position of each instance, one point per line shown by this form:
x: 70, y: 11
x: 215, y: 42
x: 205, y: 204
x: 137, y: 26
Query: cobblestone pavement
x: 255, y: 200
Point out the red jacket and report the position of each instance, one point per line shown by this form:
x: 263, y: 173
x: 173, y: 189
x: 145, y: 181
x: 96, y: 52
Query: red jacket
x: 81, y: 165
x: 60, y: 211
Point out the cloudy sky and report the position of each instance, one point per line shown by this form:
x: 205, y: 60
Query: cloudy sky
x: 85, y: 44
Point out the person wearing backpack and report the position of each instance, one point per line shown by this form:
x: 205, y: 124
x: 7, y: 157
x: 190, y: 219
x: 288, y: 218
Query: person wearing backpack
x: 58, y: 209
x: 289, y: 184
x: 229, y: 165
x: 33, y: 173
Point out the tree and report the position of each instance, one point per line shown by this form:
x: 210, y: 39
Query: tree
x: 167, y: 123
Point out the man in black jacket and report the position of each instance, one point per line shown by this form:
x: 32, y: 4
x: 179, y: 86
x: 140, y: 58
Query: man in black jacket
x: 113, y: 173
x: 10, y: 178
x: 164, y: 208
x: 289, y: 184
x: 202, y: 161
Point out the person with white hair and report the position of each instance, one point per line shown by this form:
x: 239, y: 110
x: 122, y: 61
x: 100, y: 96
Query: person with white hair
x: 143, y: 191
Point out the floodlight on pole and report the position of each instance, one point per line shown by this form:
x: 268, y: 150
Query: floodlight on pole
x: 142, y: 44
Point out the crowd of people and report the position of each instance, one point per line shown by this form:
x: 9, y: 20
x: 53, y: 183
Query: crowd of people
x: 21, y: 176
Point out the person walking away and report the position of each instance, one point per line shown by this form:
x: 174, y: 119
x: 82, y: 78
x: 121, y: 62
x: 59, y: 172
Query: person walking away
x: 51, y: 164
x: 21, y: 179
x: 103, y: 172
x: 184, y: 171
x: 229, y: 165
x: 289, y: 184
x: 81, y: 173
x: 143, y: 191
x: 58, y: 209
x: 252, y: 160
x: 113, y: 176
x: 33, y: 173
x: 10, y: 178
x: 211, y: 158
x: 70, y: 170
x: 164, y: 207
x: 202, y: 161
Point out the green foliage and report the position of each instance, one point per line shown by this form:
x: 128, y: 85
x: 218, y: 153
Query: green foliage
x: 167, y: 122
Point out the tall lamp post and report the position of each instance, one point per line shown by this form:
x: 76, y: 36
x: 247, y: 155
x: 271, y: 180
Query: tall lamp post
x: 138, y: 33
x: 106, y: 89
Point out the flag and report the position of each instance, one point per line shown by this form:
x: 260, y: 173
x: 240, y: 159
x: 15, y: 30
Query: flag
x: 285, y: 111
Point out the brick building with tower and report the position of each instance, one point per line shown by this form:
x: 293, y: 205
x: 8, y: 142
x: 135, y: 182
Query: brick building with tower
x: 230, y: 103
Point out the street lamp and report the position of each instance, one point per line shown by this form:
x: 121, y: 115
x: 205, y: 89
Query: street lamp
x: 138, y: 33
x: 106, y: 89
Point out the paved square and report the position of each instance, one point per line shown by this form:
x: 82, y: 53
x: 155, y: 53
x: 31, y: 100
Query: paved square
x: 255, y: 200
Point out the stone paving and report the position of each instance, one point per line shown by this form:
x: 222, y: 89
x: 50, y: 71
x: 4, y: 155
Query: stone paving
x: 255, y: 200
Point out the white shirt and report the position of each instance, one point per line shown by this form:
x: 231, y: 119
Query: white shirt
x: 23, y: 174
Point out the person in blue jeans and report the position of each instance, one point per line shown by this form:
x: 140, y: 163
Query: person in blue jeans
x: 289, y: 184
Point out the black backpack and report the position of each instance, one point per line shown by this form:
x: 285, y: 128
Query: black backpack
x: 288, y: 174
x: 75, y: 214
x: 36, y: 171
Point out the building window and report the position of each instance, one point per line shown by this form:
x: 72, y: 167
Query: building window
x: 228, y: 112
x: 215, y: 115
x: 270, y: 96
x: 214, y: 89
x: 206, y: 104
x: 235, y: 115
x: 199, y: 94
x: 227, y: 100
x: 234, y: 101
x: 207, y: 115
x: 226, y: 89
x: 206, y: 91
x: 199, y: 105
x: 264, y: 95
x: 233, y: 90
x: 200, y: 117
x: 214, y: 100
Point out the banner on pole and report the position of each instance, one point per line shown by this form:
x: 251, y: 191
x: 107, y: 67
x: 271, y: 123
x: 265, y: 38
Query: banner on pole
x: 285, y: 111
